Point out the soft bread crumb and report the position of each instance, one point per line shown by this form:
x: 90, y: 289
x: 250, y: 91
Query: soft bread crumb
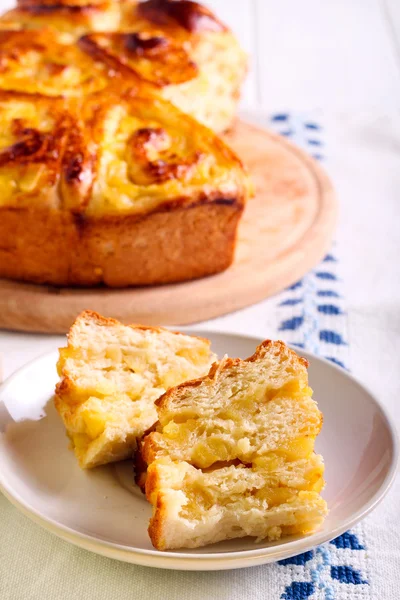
x: 111, y: 375
x: 233, y: 454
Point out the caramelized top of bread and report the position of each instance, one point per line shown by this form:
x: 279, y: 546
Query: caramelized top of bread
x: 191, y: 16
x: 176, y: 49
x: 152, y: 55
x: 43, y: 62
x: 74, y: 18
x: 111, y: 153
x: 149, y: 156
x: 110, y: 143
x: 33, y: 137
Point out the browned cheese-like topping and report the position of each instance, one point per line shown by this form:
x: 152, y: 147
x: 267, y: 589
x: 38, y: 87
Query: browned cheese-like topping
x: 74, y: 169
x: 190, y: 15
x: 13, y: 46
x: 151, y: 160
x: 35, y: 146
x: 78, y: 167
x: 60, y: 3
x: 143, y: 44
x: 44, y: 9
x: 154, y: 57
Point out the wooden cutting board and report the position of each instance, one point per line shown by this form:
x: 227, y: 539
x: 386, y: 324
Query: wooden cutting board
x: 286, y: 230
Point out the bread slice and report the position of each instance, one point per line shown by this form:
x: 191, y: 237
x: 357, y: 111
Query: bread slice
x: 233, y: 454
x: 111, y: 374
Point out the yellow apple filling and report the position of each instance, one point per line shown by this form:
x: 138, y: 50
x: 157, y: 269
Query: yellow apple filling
x: 111, y: 381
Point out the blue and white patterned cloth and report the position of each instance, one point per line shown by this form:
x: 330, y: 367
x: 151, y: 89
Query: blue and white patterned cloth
x: 310, y: 314
x: 313, y: 317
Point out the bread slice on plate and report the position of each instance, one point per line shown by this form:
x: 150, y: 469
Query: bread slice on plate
x: 233, y: 454
x: 111, y: 375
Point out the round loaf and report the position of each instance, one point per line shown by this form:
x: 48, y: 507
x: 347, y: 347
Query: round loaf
x: 102, y: 180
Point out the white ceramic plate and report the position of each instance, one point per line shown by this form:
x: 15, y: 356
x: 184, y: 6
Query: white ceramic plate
x: 101, y: 510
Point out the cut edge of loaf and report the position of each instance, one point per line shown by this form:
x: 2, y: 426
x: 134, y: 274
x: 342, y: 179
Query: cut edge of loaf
x: 174, y: 525
x: 111, y: 374
x: 296, y: 508
x: 180, y: 399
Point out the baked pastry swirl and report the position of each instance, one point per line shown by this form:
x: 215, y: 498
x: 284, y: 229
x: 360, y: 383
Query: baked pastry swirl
x: 177, y: 47
x: 102, y: 180
x: 44, y: 63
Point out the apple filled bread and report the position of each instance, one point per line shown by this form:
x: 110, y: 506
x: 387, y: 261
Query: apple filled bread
x: 111, y: 375
x: 233, y: 454
x: 113, y: 189
x: 103, y: 179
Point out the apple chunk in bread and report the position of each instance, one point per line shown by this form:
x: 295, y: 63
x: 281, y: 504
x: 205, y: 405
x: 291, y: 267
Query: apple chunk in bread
x: 233, y: 454
x: 32, y: 139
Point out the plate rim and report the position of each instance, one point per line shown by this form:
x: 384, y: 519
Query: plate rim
x: 211, y: 560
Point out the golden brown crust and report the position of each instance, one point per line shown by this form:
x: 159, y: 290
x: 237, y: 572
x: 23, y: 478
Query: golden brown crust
x: 159, y: 517
x: 65, y: 241
x: 148, y: 452
x: 34, y: 146
x: 32, y: 159
x: 217, y: 369
x: 140, y: 474
x: 77, y: 170
x: 140, y: 466
x: 76, y: 20
x: 92, y: 315
x: 154, y: 57
x: 150, y: 485
x: 41, y: 62
x: 48, y: 8
x: 63, y: 389
x: 48, y: 246
x: 65, y: 3
x: 191, y: 16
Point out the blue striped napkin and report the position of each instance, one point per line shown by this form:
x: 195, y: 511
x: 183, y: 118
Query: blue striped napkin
x: 311, y: 315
